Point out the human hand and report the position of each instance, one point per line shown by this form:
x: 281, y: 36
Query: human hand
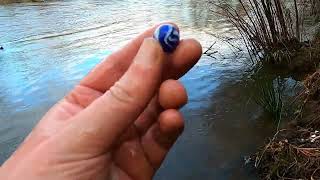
x: 111, y: 125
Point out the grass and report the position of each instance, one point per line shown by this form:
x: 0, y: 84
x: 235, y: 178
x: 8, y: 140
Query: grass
x: 268, y: 95
x: 294, y: 152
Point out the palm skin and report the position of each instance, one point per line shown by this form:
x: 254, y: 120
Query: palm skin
x: 83, y: 137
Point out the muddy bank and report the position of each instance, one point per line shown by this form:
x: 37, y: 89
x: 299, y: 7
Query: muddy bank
x: 294, y: 151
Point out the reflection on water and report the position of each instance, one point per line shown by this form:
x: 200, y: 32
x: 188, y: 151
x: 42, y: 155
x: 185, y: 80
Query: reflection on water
x: 50, y: 46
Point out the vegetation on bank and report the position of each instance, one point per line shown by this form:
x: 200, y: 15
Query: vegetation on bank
x: 294, y: 151
x: 270, y: 34
x: 274, y: 32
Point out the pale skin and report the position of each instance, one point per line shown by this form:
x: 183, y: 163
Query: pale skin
x: 110, y: 126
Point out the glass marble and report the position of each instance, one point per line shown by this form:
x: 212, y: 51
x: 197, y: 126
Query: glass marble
x: 168, y: 36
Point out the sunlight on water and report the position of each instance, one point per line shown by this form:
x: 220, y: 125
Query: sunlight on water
x: 50, y: 46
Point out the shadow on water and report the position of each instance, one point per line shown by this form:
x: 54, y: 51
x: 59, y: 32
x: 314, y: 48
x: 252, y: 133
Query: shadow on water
x: 50, y: 46
x: 222, y: 128
x: 226, y: 125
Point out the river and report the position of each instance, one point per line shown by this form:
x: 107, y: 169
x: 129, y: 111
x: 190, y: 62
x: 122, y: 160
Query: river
x: 49, y: 46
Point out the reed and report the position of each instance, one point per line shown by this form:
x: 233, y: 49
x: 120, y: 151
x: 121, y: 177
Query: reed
x: 271, y: 31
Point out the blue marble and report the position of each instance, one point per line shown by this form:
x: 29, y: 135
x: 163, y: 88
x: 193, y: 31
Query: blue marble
x: 168, y: 36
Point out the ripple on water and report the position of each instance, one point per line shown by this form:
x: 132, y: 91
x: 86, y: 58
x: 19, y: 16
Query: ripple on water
x: 50, y: 46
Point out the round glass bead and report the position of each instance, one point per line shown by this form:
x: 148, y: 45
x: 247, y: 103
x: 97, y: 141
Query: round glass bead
x: 168, y: 36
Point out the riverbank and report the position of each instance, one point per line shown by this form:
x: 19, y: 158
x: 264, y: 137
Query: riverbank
x: 294, y: 150
x: 281, y: 47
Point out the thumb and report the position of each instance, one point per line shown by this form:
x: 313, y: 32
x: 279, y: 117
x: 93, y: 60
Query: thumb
x: 101, y: 123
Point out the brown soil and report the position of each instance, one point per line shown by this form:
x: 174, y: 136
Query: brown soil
x: 294, y: 153
x: 298, y: 60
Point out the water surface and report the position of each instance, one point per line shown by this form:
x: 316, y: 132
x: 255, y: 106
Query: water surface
x: 51, y: 45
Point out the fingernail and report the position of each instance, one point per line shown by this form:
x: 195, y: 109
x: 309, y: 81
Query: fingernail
x: 150, y: 53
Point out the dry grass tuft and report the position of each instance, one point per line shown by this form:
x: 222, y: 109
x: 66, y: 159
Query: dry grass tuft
x: 291, y: 154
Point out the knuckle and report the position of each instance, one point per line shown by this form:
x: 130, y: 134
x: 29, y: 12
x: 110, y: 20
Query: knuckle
x: 141, y: 69
x: 121, y: 94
